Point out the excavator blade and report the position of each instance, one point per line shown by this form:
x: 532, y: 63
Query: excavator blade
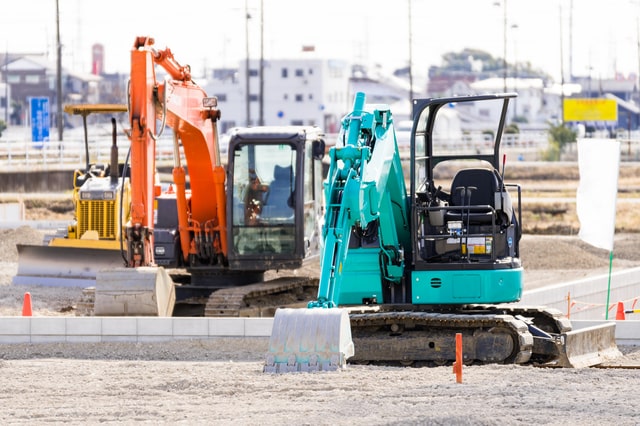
x: 63, y: 266
x: 591, y: 346
x: 309, y: 340
x: 584, y: 347
x: 142, y: 291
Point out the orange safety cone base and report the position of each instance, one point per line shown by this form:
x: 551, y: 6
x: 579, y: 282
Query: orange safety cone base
x: 620, y: 312
x: 26, y: 305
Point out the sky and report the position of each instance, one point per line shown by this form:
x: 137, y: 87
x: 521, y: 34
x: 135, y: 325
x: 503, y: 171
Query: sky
x: 597, y: 38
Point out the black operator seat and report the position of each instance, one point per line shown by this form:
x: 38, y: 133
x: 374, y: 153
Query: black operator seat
x: 479, y: 187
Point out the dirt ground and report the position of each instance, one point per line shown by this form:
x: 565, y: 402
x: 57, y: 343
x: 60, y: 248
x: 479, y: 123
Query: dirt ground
x: 220, y: 381
x: 547, y: 259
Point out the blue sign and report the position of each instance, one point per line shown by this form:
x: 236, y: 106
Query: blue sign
x: 39, y: 119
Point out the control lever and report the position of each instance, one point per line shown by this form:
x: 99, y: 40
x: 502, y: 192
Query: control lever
x: 504, y: 162
x: 470, y: 190
x: 465, y: 194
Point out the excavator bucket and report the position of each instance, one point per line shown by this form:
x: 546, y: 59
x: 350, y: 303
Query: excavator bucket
x: 143, y: 291
x: 63, y: 266
x: 585, y: 347
x: 315, y: 339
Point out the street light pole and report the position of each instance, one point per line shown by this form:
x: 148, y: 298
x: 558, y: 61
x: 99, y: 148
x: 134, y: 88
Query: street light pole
x: 504, y: 58
x: 504, y: 42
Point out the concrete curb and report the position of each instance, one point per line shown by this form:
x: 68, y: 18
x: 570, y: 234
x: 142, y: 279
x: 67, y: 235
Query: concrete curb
x: 153, y: 329
x: 127, y: 329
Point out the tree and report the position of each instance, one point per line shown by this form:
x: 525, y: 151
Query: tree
x: 511, y: 128
x: 3, y: 126
x: 461, y: 63
x: 559, y: 137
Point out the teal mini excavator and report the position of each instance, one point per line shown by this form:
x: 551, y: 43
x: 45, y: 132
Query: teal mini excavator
x: 402, y: 272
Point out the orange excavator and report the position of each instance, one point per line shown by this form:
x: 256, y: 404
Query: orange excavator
x: 205, y: 243
x: 217, y: 227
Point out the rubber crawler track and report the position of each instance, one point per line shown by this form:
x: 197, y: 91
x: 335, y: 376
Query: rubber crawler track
x: 407, y: 337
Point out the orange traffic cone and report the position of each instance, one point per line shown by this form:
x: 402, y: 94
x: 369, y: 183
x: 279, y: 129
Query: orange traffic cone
x: 620, y: 312
x: 26, y: 305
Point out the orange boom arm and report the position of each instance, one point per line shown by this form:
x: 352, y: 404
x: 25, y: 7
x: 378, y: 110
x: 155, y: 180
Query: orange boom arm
x: 178, y: 103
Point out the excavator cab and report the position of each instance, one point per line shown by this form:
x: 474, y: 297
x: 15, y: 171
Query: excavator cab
x: 463, y: 209
x: 275, y: 206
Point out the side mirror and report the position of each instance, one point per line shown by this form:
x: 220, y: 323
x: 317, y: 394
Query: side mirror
x: 318, y: 149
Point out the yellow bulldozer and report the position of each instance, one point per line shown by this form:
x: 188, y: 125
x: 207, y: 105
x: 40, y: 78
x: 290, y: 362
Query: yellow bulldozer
x: 93, y: 239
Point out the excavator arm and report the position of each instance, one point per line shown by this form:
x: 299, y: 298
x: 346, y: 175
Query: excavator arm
x: 366, y: 230
x: 366, y: 220
x: 183, y: 106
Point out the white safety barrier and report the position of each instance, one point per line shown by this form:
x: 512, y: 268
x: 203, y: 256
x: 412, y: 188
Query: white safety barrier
x: 586, y: 299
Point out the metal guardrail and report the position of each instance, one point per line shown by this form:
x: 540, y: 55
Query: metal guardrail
x: 18, y: 154
x: 70, y: 154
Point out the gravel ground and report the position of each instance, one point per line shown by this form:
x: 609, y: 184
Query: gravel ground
x: 221, y: 381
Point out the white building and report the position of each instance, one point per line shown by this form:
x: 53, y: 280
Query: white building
x: 527, y: 107
x: 296, y: 92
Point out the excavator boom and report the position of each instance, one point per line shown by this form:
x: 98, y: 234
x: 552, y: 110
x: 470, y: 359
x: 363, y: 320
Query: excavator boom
x: 365, y: 195
x: 180, y: 104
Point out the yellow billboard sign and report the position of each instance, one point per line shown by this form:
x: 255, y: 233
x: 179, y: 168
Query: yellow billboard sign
x: 590, y: 109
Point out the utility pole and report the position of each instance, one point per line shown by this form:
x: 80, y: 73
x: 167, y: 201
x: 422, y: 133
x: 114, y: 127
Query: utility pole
x: 571, y: 41
x: 6, y: 85
x: 561, y: 69
x: 638, y: 52
x: 410, y: 58
x: 261, y: 94
x: 58, y: 74
x: 248, y: 94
